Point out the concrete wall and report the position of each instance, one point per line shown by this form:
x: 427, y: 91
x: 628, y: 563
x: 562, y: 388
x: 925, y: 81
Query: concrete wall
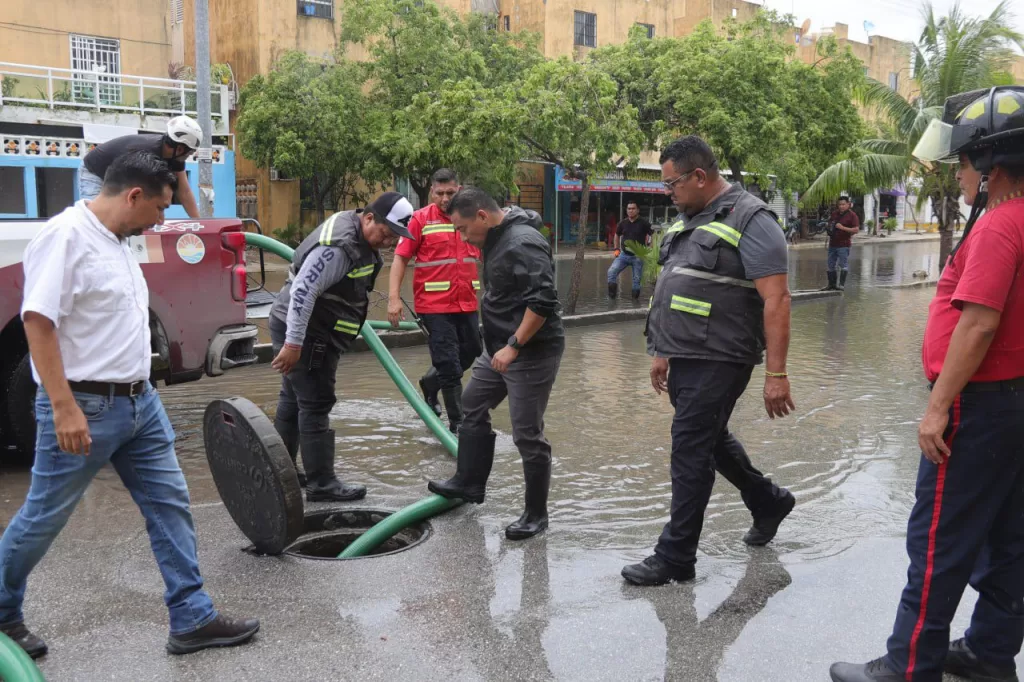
x: 37, y: 33
x: 689, y: 13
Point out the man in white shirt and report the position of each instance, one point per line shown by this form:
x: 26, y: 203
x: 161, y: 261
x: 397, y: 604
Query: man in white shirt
x: 86, y: 316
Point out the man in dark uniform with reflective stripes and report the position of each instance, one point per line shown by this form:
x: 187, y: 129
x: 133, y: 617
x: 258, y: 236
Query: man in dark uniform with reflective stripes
x: 721, y: 299
x: 317, y: 315
x: 967, y: 526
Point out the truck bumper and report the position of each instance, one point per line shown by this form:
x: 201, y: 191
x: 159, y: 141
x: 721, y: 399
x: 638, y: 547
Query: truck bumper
x: 231, y: 347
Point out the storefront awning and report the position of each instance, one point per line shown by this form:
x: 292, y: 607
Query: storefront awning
x: 641, y: 181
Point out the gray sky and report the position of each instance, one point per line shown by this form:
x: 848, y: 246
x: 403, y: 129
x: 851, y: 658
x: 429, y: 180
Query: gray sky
x: 900, y: 19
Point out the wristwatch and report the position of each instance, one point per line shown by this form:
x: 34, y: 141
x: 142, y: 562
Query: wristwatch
x: 513, y: 343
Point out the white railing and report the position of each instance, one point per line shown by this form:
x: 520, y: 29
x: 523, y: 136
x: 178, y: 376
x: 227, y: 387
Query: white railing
x: 62, y: 147
x: 44, y: 86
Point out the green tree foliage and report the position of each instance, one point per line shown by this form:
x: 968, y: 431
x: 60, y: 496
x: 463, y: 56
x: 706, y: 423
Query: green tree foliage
x: 310, y: 119
x: 955, y: 53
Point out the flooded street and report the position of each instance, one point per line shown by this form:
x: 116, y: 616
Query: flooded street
x: 469, y: 605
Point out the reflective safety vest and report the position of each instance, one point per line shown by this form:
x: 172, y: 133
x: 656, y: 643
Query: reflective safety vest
x: 704, y: 307
x: 339, y: 312
x: 445, y: 279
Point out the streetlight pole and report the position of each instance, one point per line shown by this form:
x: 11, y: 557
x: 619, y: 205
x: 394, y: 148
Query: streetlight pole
x: 204, y: 154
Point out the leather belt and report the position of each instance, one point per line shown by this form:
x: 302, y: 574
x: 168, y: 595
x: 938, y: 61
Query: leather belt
x: 103, y: 388
x: 1007, y: 385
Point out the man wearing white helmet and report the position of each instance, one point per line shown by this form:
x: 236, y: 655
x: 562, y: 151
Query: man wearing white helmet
x: 181, y: 140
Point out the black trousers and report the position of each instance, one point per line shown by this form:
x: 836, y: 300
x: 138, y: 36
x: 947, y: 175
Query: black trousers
x: 704, y: 394
x: 967, y: 528
x: 454, y: 344
x: 308, y: 391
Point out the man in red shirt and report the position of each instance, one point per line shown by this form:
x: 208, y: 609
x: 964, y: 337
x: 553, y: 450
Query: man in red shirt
x: 445, y: 283
x: 967, y: 526
x: 842, y: 226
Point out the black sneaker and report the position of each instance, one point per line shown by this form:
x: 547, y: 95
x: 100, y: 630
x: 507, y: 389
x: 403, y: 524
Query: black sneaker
x: 875, y: 671
x: 961, y: 661
x: 219, y: 632
x: 335, y: 491
x: 764, y: 529
x: 23, y: 637
x: 655, y: 571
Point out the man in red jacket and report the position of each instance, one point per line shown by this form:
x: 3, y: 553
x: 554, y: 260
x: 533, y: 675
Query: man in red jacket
x: 445, y: 284
x: 967, y: 527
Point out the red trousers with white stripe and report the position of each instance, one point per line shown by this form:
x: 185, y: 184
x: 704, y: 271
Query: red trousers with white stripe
x: 967, y: 527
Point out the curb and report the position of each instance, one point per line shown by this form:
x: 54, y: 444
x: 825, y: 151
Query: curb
x: 910, y: 285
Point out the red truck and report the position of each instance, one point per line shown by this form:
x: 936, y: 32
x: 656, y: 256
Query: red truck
x: 197, y: 290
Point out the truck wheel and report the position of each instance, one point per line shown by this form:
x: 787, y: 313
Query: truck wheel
x: 21, y: 397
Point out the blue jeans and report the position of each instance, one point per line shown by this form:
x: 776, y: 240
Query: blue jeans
x: 623, y: 261
x: 89, y: 184
x: 840, y: 255
x: 135, y: 436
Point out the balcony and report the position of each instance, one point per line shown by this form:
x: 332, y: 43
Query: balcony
x: 95, y: 97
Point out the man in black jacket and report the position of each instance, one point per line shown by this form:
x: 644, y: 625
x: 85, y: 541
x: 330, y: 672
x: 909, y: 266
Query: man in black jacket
x: 523, y: 344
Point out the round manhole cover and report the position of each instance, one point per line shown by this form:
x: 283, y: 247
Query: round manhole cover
x: 254, y: 475
x: 328, y: 533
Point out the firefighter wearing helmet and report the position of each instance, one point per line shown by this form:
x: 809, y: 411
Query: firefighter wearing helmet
x: 181, y: 139
x: 967, y: 526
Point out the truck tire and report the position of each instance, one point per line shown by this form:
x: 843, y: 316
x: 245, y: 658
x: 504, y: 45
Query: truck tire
x: 21, y: 398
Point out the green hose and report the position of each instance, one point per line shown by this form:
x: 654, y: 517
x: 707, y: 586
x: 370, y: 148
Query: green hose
x: 428, y: 506
x: 15, y: 664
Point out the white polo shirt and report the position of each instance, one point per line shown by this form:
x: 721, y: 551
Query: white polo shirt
x: 87, y: 282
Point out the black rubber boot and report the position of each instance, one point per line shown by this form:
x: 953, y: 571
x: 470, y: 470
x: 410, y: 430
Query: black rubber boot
x: 831, y: 282
x: 23, y: 637
x: 961, y: 661
x: 290, y: 435
x: 453, y: 405
x: 875, y: 671
x: 473, y: 468
x: 535, y: 518
x: 613, y: 289
x: 430, y: 385
x: 842, y: 280
x: 323, y: 484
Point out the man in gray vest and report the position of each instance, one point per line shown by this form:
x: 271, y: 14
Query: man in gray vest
x: 721, y: 299
x: 315, y: 318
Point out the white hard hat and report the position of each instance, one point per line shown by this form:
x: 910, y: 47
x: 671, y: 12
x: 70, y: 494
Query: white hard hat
x: 183, y: 130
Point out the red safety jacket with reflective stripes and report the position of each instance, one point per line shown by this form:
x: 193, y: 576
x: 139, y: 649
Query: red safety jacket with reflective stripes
x: 445, y: 278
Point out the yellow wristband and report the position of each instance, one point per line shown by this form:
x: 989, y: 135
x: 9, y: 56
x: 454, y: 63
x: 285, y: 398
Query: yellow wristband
x: 777, y: 375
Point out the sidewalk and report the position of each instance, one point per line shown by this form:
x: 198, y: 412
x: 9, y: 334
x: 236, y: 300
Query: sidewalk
x: 818, y: 241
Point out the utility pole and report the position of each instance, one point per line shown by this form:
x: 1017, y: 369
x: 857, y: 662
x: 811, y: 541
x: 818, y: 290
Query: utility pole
x: 204, y: 155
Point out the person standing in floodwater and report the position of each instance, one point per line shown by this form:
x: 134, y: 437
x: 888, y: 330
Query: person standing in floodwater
x: 967, y: 526
x: 721, y: 299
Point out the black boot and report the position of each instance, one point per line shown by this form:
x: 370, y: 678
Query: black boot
x: 23, y: 637
x: 766, y: 526
x: 535, y: 518
x: 323, y: 484
x: 961, y: 661
x: 636, y: 294
x: 654, y: 571
x: 430, y: 385
x: 831, y: 282
x: 613, y: 289
x: 222, y: 631
x: 842, y: 280
x: 453, y: 405
x: 473, y: 467
x: 289, y: 433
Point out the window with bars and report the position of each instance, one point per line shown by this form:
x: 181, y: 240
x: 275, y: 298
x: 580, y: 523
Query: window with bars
x: 894, y: 80
x: 324, y: 9
x: 96, y: 67
x: 647, y: 27
x: 177, y: 12
x: 585, y: 29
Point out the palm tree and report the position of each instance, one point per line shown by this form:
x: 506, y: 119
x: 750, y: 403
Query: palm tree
x: 955, y: 53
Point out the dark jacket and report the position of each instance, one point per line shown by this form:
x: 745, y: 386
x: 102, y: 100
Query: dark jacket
x: 519, y: 273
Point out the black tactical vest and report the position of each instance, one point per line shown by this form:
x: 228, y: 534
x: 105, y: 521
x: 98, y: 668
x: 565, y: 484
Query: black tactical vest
x: 339, y: 312
x: 704, y: 307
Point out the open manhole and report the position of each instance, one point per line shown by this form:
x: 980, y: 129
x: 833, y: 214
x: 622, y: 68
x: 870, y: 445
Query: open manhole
x: 329, y: 532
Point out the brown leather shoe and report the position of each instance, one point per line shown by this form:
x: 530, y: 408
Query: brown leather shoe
x: 23, y: 637
x: 221, y: 631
